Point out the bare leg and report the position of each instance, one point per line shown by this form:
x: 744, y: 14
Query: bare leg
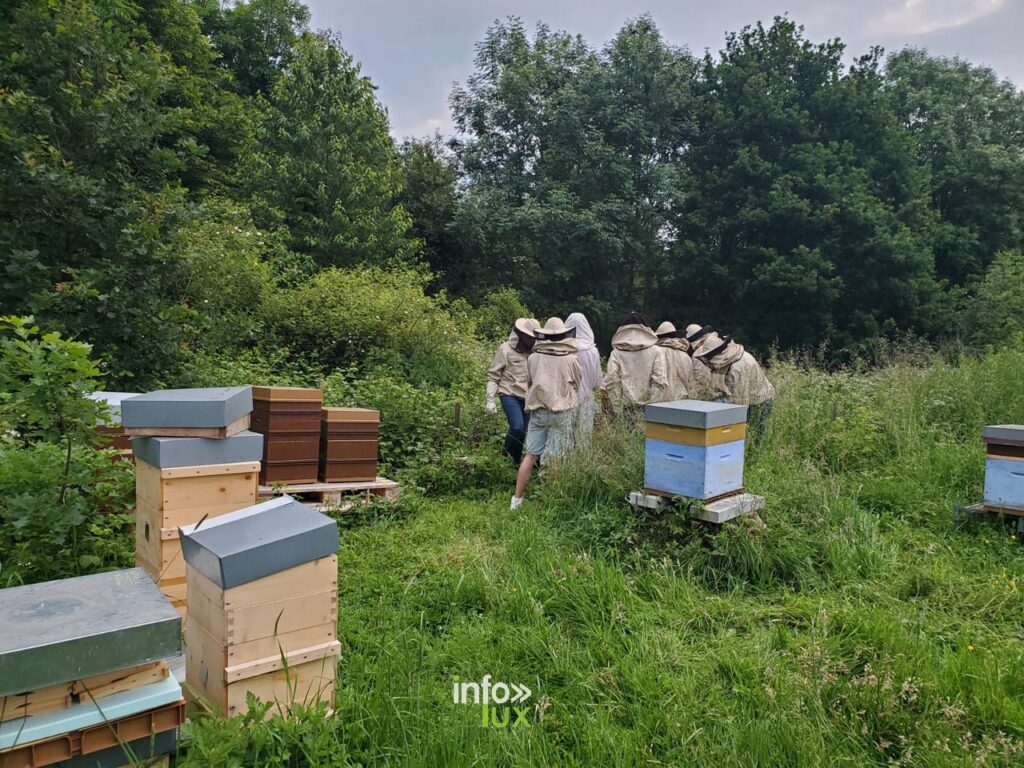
x: 525, y: 469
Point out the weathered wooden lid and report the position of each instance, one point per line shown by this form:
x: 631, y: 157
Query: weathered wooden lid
x: 699, y: 414
x: 997, y: 433
x: 64, y: 630
x: 287, y: 393
x: 350, y: 414
x: 257, y: 541
x: 167, y: 452
x: 212, y: 407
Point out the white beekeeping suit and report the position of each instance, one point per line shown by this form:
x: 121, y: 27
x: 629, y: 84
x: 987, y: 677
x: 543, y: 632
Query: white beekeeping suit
x: 702, y: 388
x: 678, y: 365
x: 591, y: 377
x: 636, y: 369
x: 736, y: 376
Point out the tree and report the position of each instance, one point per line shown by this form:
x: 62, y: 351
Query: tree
x: 98, y: 125
x: 254, y: 38
x: 969, y: 127
x: 327, y: 168
x: 996, y: 315
x: 573, y: 159
x: 811, y: 217
x: 429, y: 178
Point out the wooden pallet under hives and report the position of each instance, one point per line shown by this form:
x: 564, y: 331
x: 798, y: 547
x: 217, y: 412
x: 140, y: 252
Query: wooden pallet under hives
x: 335, y: 495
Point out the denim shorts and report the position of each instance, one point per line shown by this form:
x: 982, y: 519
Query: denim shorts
x: 549, y: 433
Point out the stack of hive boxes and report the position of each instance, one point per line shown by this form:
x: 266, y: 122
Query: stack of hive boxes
x: 1004, y: 468
x: 694, y: 449
x: 83, y: 672
x: 184, y: 477
x: 348, y: 445
x: 263, y: 606
x: 111, y: 428
x: 289, y: 420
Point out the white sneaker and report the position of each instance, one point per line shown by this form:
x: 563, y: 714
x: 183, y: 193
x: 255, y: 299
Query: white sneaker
x: 517, y: 502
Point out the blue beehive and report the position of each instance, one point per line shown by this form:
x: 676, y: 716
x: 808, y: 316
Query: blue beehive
x: 1004, y: 466
x: 687, y: 452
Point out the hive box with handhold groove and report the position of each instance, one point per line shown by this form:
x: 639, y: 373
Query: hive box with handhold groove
x: 169, y: 411
x: 692, y: 471
x: 1004, y: 467
x: 166, y: 452
x: 257, y: 541
x: 349, y: 444
x: 694, y: 449
x: 75, y: 628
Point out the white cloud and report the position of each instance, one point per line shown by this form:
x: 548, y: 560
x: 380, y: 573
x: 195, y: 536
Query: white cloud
x: 921, y: 17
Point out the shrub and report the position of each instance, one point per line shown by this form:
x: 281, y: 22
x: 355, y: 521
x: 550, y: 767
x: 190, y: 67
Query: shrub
x: 346, y: 318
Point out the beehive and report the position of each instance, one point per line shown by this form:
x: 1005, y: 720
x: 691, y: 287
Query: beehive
x: 289, y: 420
x: 83, y: 670
x: 168, y: 497
x: 263, y: 606
x: 1004, y: 468
x: 694, y: 449
x: 349, y: 443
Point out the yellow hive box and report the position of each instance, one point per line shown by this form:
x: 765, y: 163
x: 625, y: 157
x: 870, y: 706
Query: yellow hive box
x: 694, y: 436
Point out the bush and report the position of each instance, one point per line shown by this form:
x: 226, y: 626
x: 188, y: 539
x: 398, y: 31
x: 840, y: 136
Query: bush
x: 497, y: 312
x: 355, y: 318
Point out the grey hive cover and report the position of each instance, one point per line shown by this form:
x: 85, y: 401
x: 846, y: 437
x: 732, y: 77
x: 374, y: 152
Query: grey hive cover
x: 698, y: 414
x: 58, y: 631
x: 258, y: 541
x: 212, y: 407
x: 999, y: 432
x: 167, y: 452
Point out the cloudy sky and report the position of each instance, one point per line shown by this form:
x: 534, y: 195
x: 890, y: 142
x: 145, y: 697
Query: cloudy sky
x: 415, y: 49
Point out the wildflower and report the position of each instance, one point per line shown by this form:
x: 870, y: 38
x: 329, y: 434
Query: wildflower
x: 1013, y: 537
x: 970, y: 648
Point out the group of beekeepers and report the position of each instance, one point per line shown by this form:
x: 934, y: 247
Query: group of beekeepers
x: 549, y: 381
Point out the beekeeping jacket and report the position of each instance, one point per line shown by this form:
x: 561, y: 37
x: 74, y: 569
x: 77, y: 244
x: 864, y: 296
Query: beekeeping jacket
x: 587, y: 354
x: 553, y: 376
x: 678, y: 365
x: 507, y: 374
x: 738, y: 377
x: 636, y: 367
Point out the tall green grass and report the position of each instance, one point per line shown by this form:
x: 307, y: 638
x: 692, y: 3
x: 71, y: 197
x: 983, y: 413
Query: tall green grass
x: 859, y: 627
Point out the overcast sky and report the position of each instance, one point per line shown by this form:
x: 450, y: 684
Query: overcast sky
x: 414, y: 50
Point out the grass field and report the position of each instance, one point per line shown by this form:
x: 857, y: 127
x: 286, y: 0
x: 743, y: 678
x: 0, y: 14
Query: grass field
x: 859, y: 628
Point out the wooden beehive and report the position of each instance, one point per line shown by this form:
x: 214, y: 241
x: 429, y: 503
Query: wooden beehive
x: 694, y: 449
x: 1004, y: 468
x: 263, y: 607
x: 289, y: 420
x: 349, y: 443
x: 166, y: 498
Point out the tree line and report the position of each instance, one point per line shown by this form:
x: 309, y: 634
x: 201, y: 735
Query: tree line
x: 175, y: 175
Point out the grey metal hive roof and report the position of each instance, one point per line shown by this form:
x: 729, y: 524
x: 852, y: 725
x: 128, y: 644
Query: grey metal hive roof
x: 187, y: 408
x: 166, y: 452
x: 699, y: 414
x: 257, y: 541
x: 998, y: 432
x: 58, y: 631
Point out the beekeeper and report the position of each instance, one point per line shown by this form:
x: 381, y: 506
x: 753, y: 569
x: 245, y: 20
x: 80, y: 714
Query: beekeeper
x: 636, y: 369
x: 506, y: 379
x: 701, y: 374
x: 553, y: 381
x: 678, y: 364
x: 591, y: 377
x: 737, y: 377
